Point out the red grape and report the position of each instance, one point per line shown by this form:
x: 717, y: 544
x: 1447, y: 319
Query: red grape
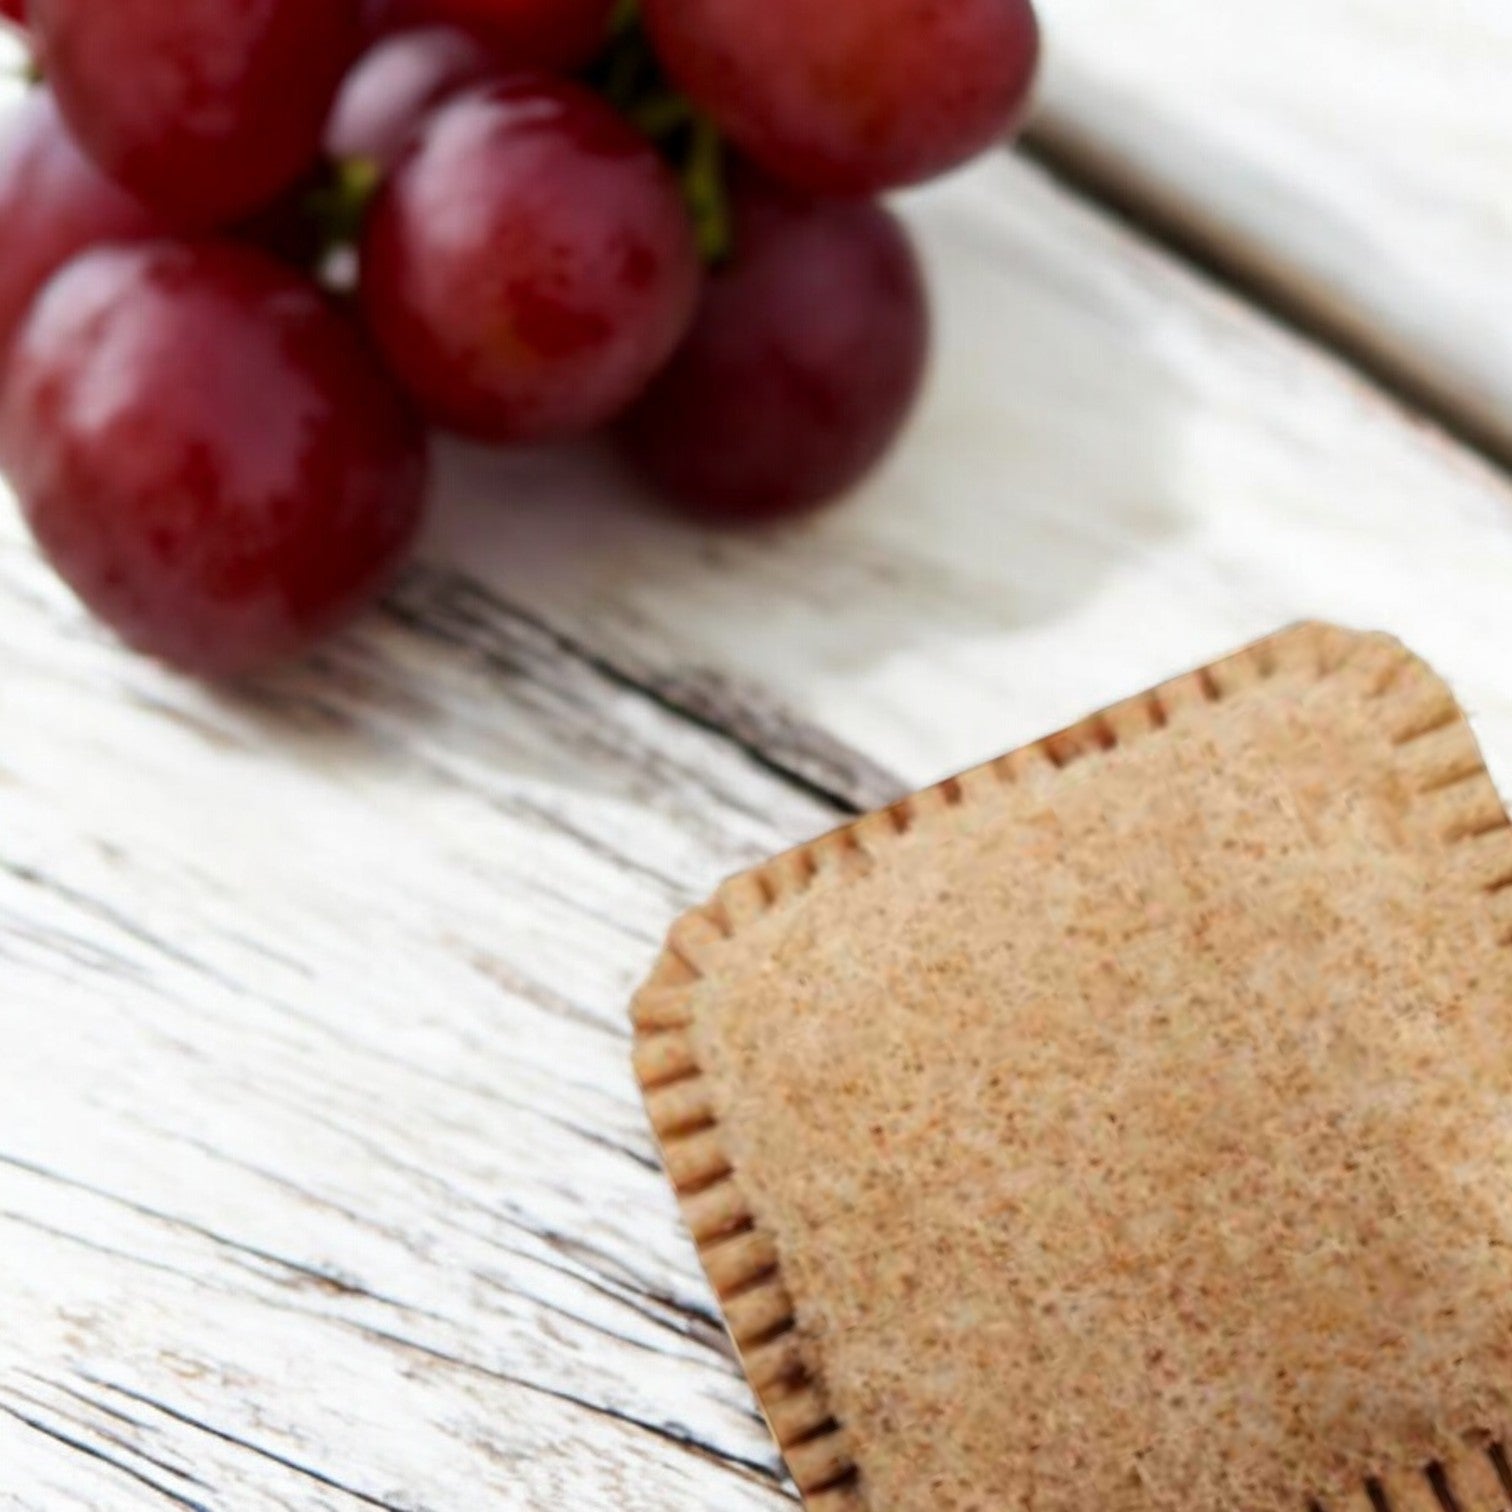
x: 557, y: 34
x: 801, y: 366
x: 207, y: 452
x: 53, y: 204
x: 380, y: 16
x: 397, y: 84
x: 204, y: 109
x: 849, y: 97
x: 529, y: 264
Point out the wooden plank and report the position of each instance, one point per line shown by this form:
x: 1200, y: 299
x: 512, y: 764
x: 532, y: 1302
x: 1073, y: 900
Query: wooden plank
x: 1345, y: 158
x: 1118, y: 471
x: 322, y: 1178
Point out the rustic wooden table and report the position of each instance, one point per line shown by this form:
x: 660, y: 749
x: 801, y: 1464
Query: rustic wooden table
x: 323, y: 1179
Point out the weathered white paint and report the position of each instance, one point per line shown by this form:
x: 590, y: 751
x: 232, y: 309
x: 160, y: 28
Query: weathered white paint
x: 1118, y: 471
x: 316, y: 1124
x: 323, y: 1183
x: 1351, y: 156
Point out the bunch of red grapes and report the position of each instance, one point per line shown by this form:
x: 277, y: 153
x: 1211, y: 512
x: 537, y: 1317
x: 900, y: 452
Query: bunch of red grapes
x: 253, y: 249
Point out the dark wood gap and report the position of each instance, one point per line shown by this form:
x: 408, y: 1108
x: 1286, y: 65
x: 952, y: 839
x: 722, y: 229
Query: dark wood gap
x: 1080, y: 168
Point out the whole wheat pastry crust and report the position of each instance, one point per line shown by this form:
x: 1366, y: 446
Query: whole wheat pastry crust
x: 1434, y: 757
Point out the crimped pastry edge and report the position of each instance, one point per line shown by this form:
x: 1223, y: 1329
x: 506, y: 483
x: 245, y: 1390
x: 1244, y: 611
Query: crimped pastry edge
x: 1439, y: 757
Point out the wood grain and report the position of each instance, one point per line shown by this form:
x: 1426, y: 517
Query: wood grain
x: 320, y: 1159
x: 323, y: 1182
x: 1345, y: 160
x: 1118, y: 470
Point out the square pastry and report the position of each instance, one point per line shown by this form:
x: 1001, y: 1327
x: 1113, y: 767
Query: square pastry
x: 1126, y: 1124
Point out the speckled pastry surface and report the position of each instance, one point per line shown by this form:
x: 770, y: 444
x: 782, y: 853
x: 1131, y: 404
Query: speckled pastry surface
x: 1128, y: 1123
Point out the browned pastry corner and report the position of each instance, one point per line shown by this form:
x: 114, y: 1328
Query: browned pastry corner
x: 1126, y: 1124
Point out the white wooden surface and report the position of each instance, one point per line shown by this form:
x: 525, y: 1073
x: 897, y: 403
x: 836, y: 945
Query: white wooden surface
x: 323, y: 1183
x: 1349, y: 157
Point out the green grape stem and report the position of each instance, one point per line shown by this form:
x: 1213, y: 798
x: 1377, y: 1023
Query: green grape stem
x: 630, y: 78
x: 339, y: 205
x: 707, y: 193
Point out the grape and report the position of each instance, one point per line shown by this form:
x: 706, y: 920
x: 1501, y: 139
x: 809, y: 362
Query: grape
x: 207, y: 452
x: 205, y: 109
x: 556, y: 34
x: 801, y: 367
x: 850, y: 97
x: 529, y: 264
x: 53, y: 204
x: 380, y: 16
x: 402, y: 78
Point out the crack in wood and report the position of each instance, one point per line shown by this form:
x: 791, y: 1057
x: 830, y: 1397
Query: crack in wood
x: 672, y: 888
x: 622, y: 1284
x: 713, y: 1336
x: 109, y: 1435
x: 672, y: 1434
x: 1084, y: 171
x: 573, y: 1248
x: 88, y: 955
x: 696, y: 1323
x: 526, y: 989
x: 105, y: 914
x: 108, y: 1251
x: 687, y: 1322
x: 462, y: 612
x: 348, y: 1286
x: 491, y: 1094
x: 94, y: 1452
x: 760, y: 1471
x: 261, y: 1451
x: 82, y: 1397
x: 321, y: 1278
